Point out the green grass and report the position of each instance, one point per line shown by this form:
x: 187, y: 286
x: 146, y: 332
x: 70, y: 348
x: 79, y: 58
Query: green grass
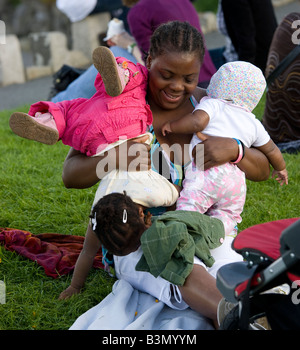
x: 268, y: 201
x: 206, y: 5
x: 34, y: 198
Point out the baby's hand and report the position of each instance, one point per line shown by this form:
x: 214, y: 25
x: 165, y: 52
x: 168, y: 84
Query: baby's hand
x: 67, y: 293
x: 281, y: 176
x: 166, y: 128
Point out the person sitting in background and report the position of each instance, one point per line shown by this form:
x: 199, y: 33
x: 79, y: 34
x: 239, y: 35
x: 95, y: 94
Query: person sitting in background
x: 250, y: 25
x: 282, y: 115
x: 226, y: 53
x: 115, y: 38
x: 145, y: 16
x: 83, y: 86
x: 78, y: 10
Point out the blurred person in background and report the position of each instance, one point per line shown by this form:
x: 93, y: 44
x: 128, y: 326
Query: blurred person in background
x: 143, y: 18
x: 77, y: 10
x: 282, y: 115
x: 250, y: 24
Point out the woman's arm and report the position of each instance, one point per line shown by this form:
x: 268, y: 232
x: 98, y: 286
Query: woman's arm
x: 81, y: 171
x: 220, y: 150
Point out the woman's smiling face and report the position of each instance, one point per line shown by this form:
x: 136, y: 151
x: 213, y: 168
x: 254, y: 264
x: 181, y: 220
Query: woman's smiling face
x: 173, y: 77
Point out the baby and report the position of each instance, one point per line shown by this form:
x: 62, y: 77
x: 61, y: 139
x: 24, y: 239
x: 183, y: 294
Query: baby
x: 234, y: 91
x: 117, y: 110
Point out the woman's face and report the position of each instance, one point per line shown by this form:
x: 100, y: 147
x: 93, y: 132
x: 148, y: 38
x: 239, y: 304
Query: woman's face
x: 173, y: 77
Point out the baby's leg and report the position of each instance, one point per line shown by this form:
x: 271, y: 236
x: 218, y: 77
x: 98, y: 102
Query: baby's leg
x: 114, y: 77
x: 195, y: 194
x: 219, y: 192
x: 230, y: 198
x: 41, y: 128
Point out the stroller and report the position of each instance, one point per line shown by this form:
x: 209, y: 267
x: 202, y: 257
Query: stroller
x: 271, y: 253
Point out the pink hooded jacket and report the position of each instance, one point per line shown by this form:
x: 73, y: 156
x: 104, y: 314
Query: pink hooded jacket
x: 89, y: 125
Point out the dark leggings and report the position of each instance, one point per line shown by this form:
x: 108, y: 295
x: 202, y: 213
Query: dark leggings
x: 250, y: 25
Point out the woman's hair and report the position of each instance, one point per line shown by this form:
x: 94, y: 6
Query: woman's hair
x: 116, y: 222
x: 176, y: 36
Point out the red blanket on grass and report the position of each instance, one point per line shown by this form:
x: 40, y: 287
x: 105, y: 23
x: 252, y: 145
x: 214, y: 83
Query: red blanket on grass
x: 56, y: 253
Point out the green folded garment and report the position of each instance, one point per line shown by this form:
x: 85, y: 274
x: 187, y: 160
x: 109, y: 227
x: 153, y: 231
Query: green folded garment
x: 170, y: 244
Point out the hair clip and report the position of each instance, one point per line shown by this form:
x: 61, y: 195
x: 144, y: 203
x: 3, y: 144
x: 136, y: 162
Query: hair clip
x: 124, y: 216
x: 94, y: 222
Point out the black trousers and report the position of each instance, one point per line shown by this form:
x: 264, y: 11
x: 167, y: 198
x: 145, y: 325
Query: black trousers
x: 250, y: 25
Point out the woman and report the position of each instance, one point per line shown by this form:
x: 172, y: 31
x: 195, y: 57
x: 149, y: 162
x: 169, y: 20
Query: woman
x: 174, y: 61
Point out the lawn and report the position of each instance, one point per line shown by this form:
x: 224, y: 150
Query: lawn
x: 206, y: 5
x: 33, y: 198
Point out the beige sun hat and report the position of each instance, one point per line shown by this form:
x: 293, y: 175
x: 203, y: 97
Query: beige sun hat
x: 115, y: 27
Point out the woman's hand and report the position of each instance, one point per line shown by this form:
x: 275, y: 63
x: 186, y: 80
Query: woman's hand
x: 81, y: 171
x: 134, y: 155
x: 214, y: 151
x: 220, y: 150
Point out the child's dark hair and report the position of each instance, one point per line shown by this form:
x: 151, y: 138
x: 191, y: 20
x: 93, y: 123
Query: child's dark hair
x: 117, y: 223
x: 176, y: 36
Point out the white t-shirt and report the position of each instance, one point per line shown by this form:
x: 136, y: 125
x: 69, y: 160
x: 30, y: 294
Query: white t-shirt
x: 228, y: 120
x: 76, y: 10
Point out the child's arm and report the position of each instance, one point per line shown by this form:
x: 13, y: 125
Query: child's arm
x: 189, y: 124
x: 83, y: 264
x: 275, y: 158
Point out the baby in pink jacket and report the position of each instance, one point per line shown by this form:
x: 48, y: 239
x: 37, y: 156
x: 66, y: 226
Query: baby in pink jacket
x: 117, y: 110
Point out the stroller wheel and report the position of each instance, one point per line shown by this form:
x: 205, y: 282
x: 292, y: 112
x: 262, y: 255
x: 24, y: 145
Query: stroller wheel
x: 231, y: 321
